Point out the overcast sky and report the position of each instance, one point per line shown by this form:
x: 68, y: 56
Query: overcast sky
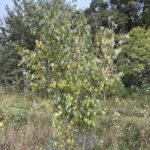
x: 80, y: 4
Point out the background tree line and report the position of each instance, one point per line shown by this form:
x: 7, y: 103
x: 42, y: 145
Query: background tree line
x: 21, y: 25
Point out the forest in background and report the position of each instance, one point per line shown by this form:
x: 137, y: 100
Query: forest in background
x: 75, y: 79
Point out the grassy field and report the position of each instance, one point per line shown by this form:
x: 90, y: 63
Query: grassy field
x: 121, y: 124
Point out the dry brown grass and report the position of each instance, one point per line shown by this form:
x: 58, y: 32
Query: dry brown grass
x: 125, y: 125
x: 31, y: 136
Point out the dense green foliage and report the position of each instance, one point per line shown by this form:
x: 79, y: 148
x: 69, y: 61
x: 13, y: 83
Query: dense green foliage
x: 26, y: 22
x: 134, y: 59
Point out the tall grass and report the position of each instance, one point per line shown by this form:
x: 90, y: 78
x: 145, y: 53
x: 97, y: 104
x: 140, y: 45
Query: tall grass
x: 121, y: 124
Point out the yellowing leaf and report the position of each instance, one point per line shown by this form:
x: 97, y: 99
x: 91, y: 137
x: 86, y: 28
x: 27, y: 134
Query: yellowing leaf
x: 1, y: 124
